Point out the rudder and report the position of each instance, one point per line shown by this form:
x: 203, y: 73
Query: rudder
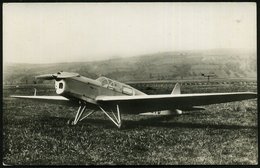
x: 176, y: 89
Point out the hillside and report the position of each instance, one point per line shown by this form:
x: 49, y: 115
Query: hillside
x: 158, y: 66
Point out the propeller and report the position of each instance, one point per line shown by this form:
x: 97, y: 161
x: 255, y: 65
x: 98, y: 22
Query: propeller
x: 45, y: 77
x: 58, y: 75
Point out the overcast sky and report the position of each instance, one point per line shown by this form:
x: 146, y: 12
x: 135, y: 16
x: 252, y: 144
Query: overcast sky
x: 64, y: 32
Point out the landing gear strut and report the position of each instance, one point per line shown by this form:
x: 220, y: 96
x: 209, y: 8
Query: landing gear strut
x: 117, y: 119
x: 78, y: 116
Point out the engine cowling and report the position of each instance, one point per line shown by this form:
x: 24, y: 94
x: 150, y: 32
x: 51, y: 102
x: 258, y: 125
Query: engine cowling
x: 60, y: 86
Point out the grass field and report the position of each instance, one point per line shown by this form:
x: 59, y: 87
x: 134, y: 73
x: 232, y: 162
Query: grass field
x: 37, y: 134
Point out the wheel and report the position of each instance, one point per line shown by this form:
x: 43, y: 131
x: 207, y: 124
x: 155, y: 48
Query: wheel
x: 121, y: 126
x: 70, y: 122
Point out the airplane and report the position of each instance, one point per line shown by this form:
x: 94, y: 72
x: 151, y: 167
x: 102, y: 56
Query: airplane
x: 112, y: 97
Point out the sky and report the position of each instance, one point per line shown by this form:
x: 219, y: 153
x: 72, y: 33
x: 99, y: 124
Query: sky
x: 72, y: 32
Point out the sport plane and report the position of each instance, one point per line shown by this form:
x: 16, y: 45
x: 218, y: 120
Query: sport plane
x: 112, y: 97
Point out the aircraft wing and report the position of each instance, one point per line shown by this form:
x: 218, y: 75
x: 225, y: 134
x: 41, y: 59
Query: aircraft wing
x: 47, y: 99
x: 143, y: 103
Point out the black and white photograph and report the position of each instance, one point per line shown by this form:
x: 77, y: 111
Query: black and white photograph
x: 148, y: 83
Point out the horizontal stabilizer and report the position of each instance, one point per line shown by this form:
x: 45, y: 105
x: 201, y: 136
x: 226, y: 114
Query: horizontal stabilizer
x: 195, y: 108
x: 164, y: 112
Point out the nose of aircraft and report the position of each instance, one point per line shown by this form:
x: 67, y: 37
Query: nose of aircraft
x: 60, y: 86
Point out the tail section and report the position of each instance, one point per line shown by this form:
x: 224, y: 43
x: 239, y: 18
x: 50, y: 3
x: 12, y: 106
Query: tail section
x: 176, y: 89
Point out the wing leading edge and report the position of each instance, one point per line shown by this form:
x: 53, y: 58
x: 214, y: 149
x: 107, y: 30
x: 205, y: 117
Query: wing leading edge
x: 143, y: 103
x: 47, y: 99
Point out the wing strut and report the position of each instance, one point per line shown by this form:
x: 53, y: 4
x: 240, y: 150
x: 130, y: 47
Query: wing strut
x: 79, y: 113
x: 116, y: 120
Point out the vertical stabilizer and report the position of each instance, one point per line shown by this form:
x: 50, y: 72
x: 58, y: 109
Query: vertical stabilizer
x: 176, y: 89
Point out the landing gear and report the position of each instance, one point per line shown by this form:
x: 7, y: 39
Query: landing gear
x: 70, y: 122
x: 117, y: 119
x: 78, y: 116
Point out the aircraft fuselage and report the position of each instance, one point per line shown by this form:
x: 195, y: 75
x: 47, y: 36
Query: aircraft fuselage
x: 88, y: 89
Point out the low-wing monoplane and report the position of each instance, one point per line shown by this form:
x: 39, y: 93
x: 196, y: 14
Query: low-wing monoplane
x: 110, y: 96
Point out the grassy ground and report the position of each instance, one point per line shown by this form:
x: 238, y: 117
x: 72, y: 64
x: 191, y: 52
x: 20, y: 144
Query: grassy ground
x: 37, y: 134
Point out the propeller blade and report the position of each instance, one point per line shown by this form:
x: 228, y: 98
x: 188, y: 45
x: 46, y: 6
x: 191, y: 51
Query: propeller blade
x: 62, y: 75
x: 59, y: 75
x: 45, y: 77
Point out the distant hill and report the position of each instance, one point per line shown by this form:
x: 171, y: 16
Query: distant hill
x: 158, y: 66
